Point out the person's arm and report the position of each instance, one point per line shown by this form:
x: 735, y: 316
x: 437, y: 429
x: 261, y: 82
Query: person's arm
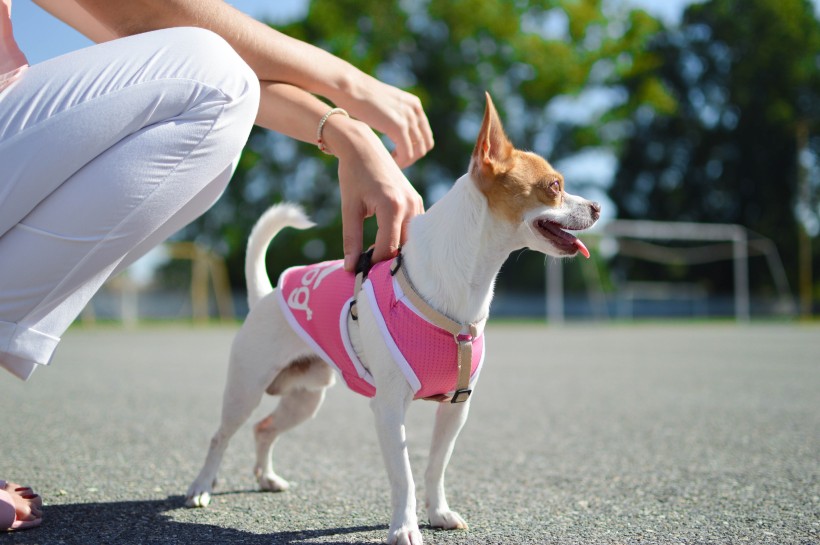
x: 274, y: 57
x: 371, y: 182
x: 77, y: 17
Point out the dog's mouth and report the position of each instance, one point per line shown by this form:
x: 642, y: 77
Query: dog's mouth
x: 561, y: 239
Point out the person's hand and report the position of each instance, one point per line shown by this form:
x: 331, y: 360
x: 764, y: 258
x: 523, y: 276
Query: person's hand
x: 396, y: 113
x: 371, y: 183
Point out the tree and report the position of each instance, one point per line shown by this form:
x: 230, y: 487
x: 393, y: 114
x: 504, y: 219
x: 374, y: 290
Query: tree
x: 745, y: 76
x: 448, y: 52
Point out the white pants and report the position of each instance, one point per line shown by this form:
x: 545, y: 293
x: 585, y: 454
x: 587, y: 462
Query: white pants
x: 104, y: 153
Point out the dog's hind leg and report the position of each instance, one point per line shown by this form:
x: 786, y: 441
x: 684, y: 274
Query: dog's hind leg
x: 450, y: 418
x: 302, y: 387
x: 262, y: 349
x: 238, y: 404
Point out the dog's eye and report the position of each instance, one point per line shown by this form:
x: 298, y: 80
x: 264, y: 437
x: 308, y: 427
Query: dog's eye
x: 551, y: 190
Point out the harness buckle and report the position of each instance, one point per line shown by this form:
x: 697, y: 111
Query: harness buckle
x: 363, y: 266
x: 460, y: 396
x: 364, y: 263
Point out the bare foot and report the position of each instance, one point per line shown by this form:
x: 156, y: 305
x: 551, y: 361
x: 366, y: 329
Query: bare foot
x: 27, y: 506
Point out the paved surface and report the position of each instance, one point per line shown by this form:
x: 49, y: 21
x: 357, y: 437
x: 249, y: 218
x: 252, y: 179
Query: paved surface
x: 583, y: 435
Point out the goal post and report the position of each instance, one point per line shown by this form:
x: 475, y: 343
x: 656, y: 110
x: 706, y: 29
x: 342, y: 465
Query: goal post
x: 208, y: 275
x: 735, y: 235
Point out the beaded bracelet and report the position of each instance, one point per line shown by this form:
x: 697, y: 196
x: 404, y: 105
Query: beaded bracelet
x: 319, y: 141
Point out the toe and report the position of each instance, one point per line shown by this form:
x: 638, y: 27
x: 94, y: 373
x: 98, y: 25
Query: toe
x: 23, y: 506
x: 198, y: 500
x: 447, y: 520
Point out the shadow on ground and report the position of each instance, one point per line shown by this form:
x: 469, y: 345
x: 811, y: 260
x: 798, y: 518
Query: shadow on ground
x: 149, y: 522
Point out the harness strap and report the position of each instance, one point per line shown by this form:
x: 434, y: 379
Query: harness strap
x: 363, y: 267
x: 463, y: 334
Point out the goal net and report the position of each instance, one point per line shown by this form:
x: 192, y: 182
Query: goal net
x: 654, y: 241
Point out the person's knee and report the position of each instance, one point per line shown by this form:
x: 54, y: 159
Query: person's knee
x: 216, y: 63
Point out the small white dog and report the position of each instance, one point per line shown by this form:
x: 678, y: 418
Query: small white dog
x: 320, y: 318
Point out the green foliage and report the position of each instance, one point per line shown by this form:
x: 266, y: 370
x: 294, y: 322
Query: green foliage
x: 448, y: 52
x: 744, y: 75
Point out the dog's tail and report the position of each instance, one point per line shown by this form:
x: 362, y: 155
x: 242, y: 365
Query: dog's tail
x: 272, y: 221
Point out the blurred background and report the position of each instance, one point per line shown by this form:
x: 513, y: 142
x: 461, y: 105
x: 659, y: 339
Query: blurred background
x: 695, y: 124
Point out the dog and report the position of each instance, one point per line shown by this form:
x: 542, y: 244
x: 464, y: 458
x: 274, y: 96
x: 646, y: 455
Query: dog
x: 442, y: 280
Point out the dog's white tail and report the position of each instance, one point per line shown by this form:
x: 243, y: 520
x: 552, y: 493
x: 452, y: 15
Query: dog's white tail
x: 272, y: 221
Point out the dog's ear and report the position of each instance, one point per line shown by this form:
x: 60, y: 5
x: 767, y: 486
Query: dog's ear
x: 493, y: 149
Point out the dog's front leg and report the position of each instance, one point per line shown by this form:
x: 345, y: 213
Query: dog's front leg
x: 450, y: 418
x: 389, y: 412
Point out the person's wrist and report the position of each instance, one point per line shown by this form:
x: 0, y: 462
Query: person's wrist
x: 321, y: 141
x: 348, y: 87
x: 345, y: 136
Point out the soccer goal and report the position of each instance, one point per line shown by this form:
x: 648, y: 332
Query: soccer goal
x: 644, y: 240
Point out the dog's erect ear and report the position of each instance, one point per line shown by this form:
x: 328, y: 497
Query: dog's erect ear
x: 492, y: 148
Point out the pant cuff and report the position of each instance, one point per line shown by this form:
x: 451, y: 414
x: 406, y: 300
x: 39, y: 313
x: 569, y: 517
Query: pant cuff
x: 23, y: 349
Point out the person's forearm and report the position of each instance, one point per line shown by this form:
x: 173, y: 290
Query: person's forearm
x: 296, y: 113
x: 272, y: 55
x: 289, y: 110
x: 275, y: 57
x: 77, y: 17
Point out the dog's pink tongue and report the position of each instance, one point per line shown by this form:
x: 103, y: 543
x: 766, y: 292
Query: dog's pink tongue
x: 582, y: 248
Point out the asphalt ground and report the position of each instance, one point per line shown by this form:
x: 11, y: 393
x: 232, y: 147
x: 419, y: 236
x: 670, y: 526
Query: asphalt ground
x: 586, y: 434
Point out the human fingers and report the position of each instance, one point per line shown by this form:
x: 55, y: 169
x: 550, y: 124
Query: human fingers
x: 425, y: 131
x: 371, y: 183
x: 352, y: 232
x: 416, y: 209
x: 403, y: 152
x: 390, y: 218
x: 35, y: 508
x: 417, y: 205
x: 394, y: 226
x: 413, y: 136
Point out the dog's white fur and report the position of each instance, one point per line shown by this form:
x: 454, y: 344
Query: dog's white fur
x: 452, y: 255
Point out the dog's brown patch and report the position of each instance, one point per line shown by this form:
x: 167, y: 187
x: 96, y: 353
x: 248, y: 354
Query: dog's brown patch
x: 309, y: 373
x: 513, y: 181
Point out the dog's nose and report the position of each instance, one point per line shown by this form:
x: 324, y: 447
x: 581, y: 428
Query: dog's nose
x: 596, y: 210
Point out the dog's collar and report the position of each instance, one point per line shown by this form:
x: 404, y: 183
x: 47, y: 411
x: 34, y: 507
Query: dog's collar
x: 463, y: 333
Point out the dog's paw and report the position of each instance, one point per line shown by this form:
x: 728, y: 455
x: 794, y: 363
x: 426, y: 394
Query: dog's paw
x: 405, y: 536
x: 272, y: 483
x: 199, y: 493
x: 447, y: 520
x: 196, y: 497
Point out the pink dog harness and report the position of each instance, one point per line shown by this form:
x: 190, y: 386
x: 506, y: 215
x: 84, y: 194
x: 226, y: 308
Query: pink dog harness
x: 316, y: 300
